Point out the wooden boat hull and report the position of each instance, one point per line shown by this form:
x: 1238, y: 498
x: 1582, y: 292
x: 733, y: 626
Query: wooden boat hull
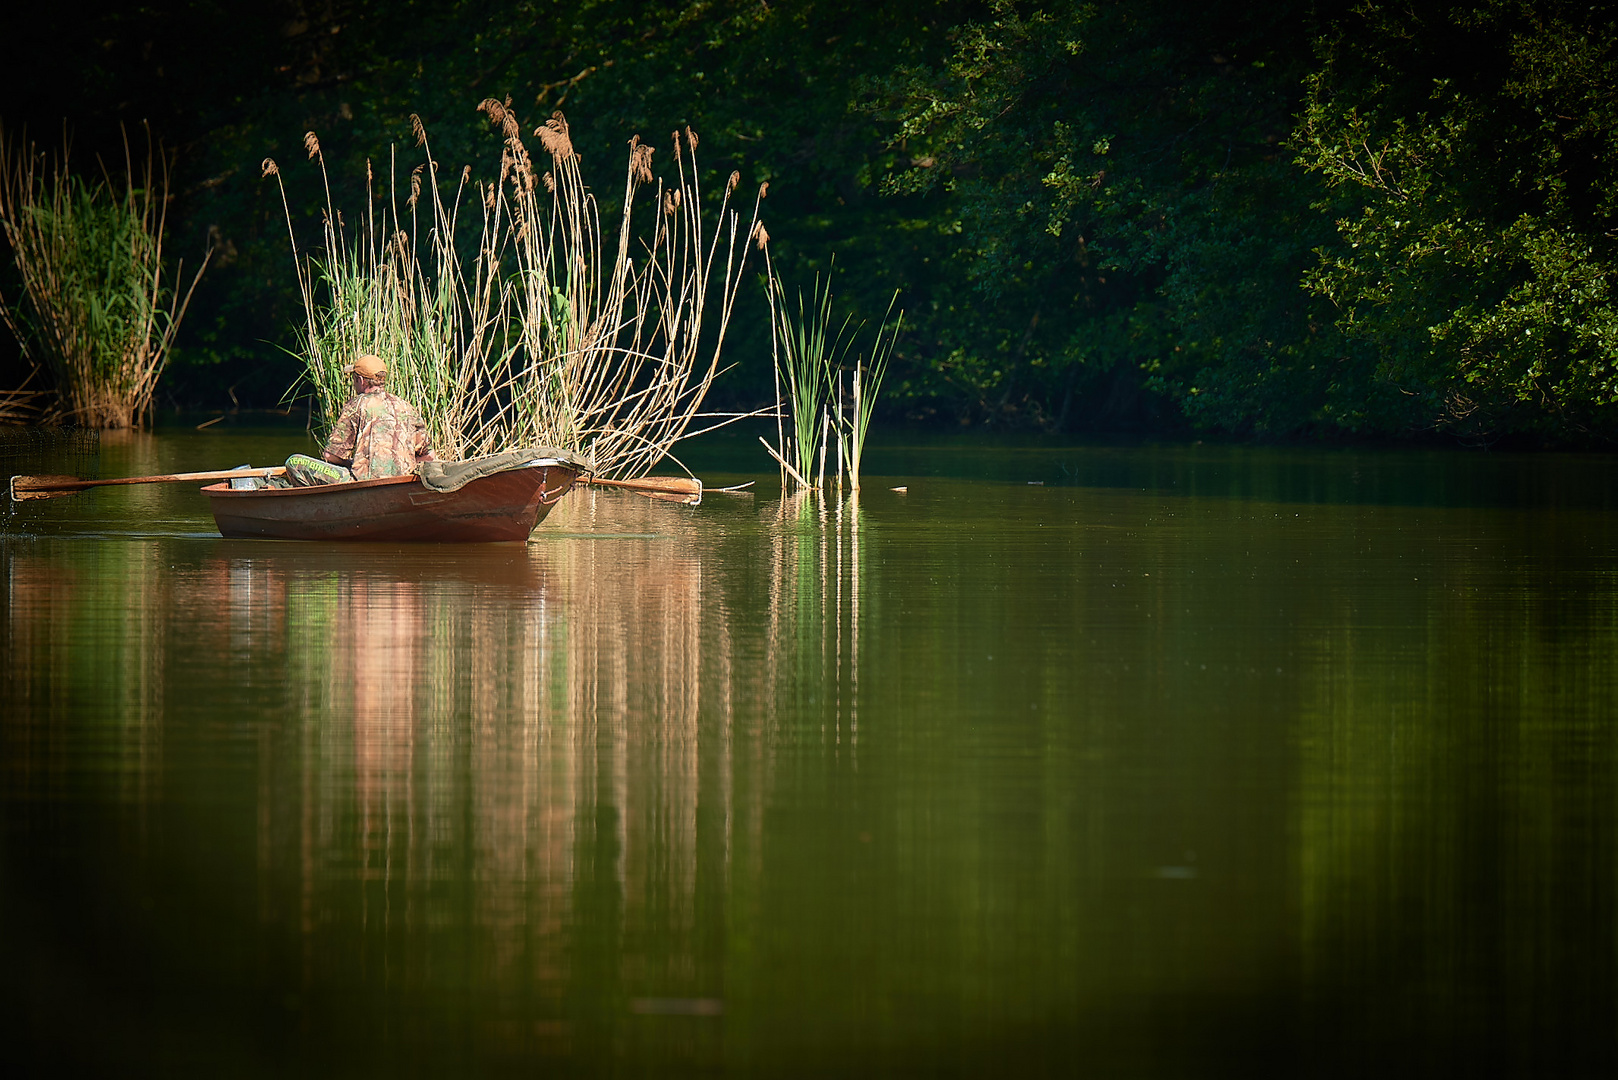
x: 504, y: 506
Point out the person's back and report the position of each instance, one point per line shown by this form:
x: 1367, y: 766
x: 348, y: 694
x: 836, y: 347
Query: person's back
x: 376, y: 435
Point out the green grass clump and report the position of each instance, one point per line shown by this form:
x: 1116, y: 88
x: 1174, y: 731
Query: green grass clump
x: 810, y: 380
x: 94, y: 314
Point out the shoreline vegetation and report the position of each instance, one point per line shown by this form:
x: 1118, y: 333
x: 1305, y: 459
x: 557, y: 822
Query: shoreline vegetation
x: 94, y: 315
x: 551, y: 332
x: 1307, y: 222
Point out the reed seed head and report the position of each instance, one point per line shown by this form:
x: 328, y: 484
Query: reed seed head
x: 735, y: 178
x: 691, y: 139
x: 761, y: 236
x: 550, y: 183
x: 500, y: 116
x: 553, y: 136
x: 418, y: 129
x: 415, y: 187
x: 311, y: 143
x: 640, y: 160
x: 764, y: 190
x: 270, y: 169
x: 466, y: 173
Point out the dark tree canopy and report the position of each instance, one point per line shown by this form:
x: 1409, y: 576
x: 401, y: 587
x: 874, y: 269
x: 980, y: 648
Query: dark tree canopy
x: 1286, y: 220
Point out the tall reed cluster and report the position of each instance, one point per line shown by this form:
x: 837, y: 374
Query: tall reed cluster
x: 537, y: 328
x: 94, y: 314
x: 817, y: 413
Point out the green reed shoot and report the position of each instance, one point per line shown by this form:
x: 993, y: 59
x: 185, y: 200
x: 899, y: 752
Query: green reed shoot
x: 807, y: 353
x: 94, y: 314
x: 868, y: 378
x: 809, y: 359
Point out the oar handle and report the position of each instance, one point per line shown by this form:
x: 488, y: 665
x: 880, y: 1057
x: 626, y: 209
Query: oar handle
x: 50, y: 487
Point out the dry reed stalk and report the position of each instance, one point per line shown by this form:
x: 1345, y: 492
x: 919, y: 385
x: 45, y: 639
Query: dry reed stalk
x: 551, y: 334
x: 94, y: 312
x: 25, y: 406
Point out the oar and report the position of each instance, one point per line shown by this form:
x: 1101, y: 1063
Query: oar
x: 54, y: 487
x: 680, y: 489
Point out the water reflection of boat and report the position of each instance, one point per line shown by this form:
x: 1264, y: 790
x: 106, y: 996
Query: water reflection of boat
x: 503, y: 503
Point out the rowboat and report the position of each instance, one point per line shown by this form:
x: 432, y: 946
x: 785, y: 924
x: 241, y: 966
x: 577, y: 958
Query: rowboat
x: 482, y: 501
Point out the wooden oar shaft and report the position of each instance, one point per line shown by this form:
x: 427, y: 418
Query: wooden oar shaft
x: 675, y: 488
x: 50, y: 487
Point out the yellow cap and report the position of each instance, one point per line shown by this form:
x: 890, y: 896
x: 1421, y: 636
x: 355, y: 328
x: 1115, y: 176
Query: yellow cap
x: 367, y: 367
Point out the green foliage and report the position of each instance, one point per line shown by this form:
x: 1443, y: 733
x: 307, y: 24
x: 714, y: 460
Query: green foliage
x: 1474, y: 257
x: 1275, y: 243
x: 1127, y: 214
x: 1123, y: 192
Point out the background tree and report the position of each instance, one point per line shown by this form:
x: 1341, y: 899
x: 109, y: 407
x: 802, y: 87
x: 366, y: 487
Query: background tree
x: 1469, y: 154
x: 1295, y: 220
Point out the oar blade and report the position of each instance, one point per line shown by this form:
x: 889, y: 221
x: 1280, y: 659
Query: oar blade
x: 44, y: 487
x: 688, y: 499
x: 679, y: 489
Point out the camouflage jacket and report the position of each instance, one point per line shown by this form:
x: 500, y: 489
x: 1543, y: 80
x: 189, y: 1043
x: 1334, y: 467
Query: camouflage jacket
x: 379, y: 435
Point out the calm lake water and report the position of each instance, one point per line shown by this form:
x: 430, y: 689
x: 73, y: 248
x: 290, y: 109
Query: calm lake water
x: 1189, y: 761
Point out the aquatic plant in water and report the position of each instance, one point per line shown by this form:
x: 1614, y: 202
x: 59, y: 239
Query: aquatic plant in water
x: 806, y: 352
x: 94, y: 314
x: 809, y: 360
x: 551, y: 333
x: 867, y: 382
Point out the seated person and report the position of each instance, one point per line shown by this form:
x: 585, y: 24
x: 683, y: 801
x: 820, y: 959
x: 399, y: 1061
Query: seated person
x: 376, y: 435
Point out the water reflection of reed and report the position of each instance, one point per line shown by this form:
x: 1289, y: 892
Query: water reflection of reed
x: 500, y: 762
x: 515, y: 791
x: 514, y: 765
x: 84, y: 643
x: 815, y: 602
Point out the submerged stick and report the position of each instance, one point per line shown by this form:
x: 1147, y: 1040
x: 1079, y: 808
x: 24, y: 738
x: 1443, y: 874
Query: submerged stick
x: 794, y: 472
x: 54, y: 487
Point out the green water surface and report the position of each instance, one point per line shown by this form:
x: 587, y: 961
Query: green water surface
x: 1183, y: 761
